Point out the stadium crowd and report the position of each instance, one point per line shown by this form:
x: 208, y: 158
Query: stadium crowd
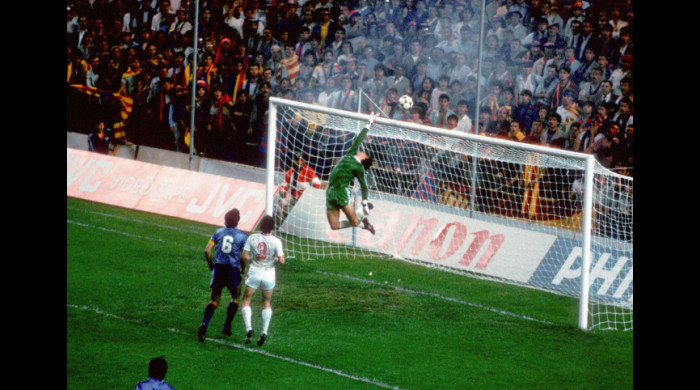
x: 554, y: 72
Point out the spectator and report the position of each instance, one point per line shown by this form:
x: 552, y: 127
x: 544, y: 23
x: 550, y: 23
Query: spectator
x: 606, y: 94
x: 626, y: 46
x: 157, y: 369
x: 526, y: 111
x: 591, y: 90
x: 93, y: 74
x: 570, y: 59
x: 554, y: 129
x: 563, y: 84
x: 604, y: 65
x: 600, y: 145
x: 467, y: 42
x: 535, y: 136
x: 587, y: 40
x: 329, y: 95
x: 399, y: 81
x: 347, y: 98
x: 202, y: 116
x: 336, y: 44
x: 253, y: 80
x: 502, y: 122
x: 545, y: 89
x: 464, y: 123
x: 623, y: 116
x: 258, y: 126
x: 538, y: 36
x: 608, y: 45
x: 568, y: 110
x: 77, y: 68
x: 87, y: 46
x: 588, y: 110
x: 493, y: 100
x: 263, y: 45
x: 572, y: 137
x: 515, y: 133
x: 220, y: 125
x: 325, y: 28
x: 424, y: 92
x: 368, y: 58
x: 208, y: 72
x: 441, y: 88
x: 439, y: 115
x: 75, y: 38
x: 625, y: 90
x: 572, y: 26
x: 486, y: 125
x: 327, y: 69
x: 623, y: 72
x: 513, y: 20
x: 435, y: 63
x: 461, y: 69
x: 346, y: 53
x: 289, y: 65
x: 389, y: 103
x: 377, y: 85
x: 102, y: 140
x: 395, y: 55
x: 419, y: 76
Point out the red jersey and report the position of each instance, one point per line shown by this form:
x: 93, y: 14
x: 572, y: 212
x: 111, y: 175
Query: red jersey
x: 298, y: 182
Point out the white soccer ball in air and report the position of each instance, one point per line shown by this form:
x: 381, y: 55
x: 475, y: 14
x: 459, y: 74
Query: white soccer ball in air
x: 406, y: 102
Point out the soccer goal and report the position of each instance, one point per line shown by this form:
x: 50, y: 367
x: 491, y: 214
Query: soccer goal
x: 536, y: 216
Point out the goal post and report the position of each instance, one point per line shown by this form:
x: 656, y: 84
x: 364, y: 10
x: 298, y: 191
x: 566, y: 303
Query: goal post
x: 515, y: 212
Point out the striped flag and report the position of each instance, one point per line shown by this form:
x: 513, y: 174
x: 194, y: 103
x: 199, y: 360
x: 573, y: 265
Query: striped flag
x: 426, y: 190
x: 292, y: 65
x: 126, y: 101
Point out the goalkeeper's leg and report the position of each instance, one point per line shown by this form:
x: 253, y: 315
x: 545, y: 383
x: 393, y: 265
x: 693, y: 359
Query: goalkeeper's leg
x: 365, y: 218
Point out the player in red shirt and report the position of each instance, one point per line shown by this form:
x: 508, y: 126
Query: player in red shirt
x: 297, y: 179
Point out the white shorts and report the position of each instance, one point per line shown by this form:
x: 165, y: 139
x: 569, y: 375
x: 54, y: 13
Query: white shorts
x: 260, y: 278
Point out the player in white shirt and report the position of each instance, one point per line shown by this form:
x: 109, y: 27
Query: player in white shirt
x: 259, y: 255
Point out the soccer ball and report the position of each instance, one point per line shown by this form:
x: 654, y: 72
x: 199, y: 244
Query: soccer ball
x: 406, y: 102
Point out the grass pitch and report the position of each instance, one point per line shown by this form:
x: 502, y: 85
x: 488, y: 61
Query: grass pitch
x: 137, y: 284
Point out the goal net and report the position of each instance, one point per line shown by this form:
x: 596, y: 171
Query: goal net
x: 519, y: 213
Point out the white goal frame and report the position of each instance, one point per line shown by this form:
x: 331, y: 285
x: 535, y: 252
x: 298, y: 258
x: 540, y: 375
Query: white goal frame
x: 586, y: 159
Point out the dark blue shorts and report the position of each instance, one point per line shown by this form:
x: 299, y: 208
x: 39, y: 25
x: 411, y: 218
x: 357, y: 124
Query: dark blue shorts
x: 225, y: 275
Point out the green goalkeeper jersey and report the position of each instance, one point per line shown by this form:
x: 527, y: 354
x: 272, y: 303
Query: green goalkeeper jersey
x: 346, y: 170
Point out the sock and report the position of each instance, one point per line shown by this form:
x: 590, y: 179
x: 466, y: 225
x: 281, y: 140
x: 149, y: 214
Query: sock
x: 230, y: 313
x: 345, y: 224
x: 208, y: 313
x: 266, y: 316
x: 360, y: 215
x: 246, y: 314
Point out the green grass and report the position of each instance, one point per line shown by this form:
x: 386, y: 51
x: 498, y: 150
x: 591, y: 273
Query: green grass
x: 137, y: 285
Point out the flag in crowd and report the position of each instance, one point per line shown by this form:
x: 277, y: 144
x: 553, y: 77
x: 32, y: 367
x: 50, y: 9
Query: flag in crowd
x: 426, y: 190
x: 127, y: 103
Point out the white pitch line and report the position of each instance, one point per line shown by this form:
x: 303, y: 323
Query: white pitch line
x: 258, y: 351
x: 436, y: 295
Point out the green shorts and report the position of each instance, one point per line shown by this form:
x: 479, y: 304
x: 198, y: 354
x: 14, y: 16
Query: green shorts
x: 337, y: 198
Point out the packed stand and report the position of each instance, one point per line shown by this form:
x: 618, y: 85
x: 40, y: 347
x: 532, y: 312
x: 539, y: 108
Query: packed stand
x: 556, y: 73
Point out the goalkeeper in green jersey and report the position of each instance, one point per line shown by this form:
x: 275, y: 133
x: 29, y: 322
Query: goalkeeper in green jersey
x: 352, y: 165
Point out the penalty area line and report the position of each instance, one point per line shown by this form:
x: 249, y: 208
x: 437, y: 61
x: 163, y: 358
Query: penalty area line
x: 247, y: 349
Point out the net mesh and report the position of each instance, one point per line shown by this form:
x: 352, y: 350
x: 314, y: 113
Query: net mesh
x: 463, y: 204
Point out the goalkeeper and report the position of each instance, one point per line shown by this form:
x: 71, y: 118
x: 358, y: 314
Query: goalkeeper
x: 352, y: 165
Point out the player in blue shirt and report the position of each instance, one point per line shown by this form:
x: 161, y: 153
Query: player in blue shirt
x: 225, y: 268
x: 157, y: 369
